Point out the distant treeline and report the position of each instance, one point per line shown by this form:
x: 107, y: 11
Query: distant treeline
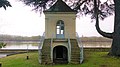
x: 95, y: 39
x: 18, y: 38
x: 37, y: 38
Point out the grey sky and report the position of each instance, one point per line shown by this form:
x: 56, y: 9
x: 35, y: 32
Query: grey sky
x: 21, y: 20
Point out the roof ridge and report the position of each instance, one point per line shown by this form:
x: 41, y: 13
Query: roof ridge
x: 60, y: 6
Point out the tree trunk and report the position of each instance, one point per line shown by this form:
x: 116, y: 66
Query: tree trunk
x: 115, y: 48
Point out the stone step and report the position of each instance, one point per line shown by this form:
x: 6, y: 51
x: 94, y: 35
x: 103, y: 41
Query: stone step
x: 75, y: 55
x: 75, y: 62
x: 60, y: 40
x: 46, y: 52
x: 75, y: 52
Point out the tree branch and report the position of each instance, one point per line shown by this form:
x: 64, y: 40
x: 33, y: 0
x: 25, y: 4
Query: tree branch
x: 105, y: 34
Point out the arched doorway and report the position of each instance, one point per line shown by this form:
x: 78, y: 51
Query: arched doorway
x: 60, y: 54
x: 60, y: 29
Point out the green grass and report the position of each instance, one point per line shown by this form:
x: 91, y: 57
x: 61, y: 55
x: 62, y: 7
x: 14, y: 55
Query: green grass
x: 92, y: 59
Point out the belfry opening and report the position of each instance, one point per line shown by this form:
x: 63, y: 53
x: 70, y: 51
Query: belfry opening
x: 60, y: 29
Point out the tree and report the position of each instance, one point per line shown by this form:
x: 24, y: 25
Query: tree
x: 96, y: 9
x: 115, y: 48
x: 2, y: 44
x: 4, y: 4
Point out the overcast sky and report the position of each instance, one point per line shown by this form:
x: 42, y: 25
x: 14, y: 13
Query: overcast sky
x: 21, y: 20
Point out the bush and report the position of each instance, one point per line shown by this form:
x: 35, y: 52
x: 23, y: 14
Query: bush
x: 2, y: 44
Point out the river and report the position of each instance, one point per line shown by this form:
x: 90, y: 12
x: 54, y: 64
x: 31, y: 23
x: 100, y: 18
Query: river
x: 34, y: 45
x: 21, y: 45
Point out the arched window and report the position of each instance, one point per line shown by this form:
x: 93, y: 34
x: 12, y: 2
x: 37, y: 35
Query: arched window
x: 60, y: 28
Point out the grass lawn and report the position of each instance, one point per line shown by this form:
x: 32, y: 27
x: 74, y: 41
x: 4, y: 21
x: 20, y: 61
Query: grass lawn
x: 92, y: 59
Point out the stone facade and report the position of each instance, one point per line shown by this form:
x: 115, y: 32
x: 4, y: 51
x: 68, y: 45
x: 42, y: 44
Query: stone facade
x: 69, y: 24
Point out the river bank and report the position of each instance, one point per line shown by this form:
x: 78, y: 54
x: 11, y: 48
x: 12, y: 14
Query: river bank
x: 9, y: 52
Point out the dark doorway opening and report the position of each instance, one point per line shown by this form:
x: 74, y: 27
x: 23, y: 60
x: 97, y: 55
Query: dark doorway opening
x: 60, y: 55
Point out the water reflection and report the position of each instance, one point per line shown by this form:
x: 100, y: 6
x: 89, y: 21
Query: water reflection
x: 23, y: 45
